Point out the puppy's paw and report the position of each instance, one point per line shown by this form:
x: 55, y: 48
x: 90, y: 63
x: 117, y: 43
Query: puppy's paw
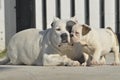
x: 84, y: 64
x: 116, y: 63
x: 102, y: 62
x: 95, y: 62
x: 75, y: 63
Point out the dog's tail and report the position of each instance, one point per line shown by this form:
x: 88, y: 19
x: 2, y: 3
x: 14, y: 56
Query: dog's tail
x: 116, y: 38
x: 4, y: 60
x: 109, y: 28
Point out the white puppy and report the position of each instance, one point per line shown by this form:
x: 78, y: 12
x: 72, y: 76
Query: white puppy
x: 96, y: 42
x: 49, y: 47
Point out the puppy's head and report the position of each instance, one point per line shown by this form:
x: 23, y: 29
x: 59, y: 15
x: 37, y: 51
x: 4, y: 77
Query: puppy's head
x: 61, y: 34
x: 79, y: 31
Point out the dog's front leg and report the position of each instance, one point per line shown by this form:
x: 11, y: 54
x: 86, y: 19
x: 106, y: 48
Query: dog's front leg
x: 96, y: 56
x: 58, y: 60
x: 86, y: 57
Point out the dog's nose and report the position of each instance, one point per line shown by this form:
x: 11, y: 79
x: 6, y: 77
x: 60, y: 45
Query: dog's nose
x: 71, y: 35
x: 64, y: 37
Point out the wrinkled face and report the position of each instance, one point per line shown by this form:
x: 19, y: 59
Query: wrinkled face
x: 79, y: 31
x: 76, y: 33
x: 62, y: 35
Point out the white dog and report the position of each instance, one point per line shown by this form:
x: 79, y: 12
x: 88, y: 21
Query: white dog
x: 96, y: 42
x: 49, y: 47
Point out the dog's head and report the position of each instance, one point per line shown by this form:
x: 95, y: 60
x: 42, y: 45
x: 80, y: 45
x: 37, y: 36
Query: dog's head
x: 79, y: 31
x: 62, y: 29
x: 61, y: 34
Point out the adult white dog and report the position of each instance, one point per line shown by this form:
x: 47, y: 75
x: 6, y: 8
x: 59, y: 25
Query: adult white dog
x: 96, y: 42
x: 48, y: 47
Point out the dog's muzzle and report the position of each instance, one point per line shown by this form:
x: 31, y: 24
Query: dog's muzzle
x: 64, y: 38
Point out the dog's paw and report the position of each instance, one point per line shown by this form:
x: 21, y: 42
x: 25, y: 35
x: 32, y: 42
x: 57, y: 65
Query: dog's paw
x: 95, y: 62
x: 75, y: 63
x: 84, y: 64
x: 116, y: 63
x: 102, y: 62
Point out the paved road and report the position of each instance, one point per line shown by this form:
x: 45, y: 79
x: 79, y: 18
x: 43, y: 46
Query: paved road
x: 105, y: 72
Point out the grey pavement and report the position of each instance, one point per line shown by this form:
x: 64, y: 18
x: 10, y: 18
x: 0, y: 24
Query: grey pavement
x: 104, y: 72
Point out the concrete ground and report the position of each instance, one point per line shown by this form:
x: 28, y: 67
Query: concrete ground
x: 104, y: 72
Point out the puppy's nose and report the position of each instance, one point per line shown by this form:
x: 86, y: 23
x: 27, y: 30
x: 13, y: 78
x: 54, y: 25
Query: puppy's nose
x: 71, y: 35
x: 64, y: 37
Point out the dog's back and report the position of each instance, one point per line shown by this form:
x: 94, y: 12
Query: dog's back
x: 114, y: 35
x: 23, y: 44
x: 105, y: 37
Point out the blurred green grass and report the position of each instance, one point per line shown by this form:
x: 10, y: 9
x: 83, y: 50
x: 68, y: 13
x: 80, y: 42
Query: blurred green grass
x: 3, y: 53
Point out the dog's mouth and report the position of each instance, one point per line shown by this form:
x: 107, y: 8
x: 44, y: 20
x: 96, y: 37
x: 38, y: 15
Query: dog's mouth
x: 64, y: 41
x: 64, y: 38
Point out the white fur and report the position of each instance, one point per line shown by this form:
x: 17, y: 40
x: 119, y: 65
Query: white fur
x: 33, y: 46
x: 97, y: 43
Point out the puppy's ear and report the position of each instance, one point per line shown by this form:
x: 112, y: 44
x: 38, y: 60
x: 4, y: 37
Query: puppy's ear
x: 85, y: 29
x: 69, y: 25
x: 54, y: 20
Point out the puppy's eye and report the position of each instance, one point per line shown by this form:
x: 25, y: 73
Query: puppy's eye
x: 76, y: 32
x: 58, y: 29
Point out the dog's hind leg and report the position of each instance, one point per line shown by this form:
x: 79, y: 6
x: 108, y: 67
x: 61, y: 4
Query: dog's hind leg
x: 12, y: 54
x: 116, y: 55
x: 96, y: 56
x: 86, y: 57
x: 102, y: 60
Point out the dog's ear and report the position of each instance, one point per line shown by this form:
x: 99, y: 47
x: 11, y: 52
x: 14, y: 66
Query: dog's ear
x: 52, y: 24
x: 74, y: 19
x: 69, y: 25
x: 54, y: 20
x: 85, y: 29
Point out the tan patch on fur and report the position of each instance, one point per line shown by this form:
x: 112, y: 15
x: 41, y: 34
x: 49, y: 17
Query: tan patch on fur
x: 117, y: 43
x: 85, y: 29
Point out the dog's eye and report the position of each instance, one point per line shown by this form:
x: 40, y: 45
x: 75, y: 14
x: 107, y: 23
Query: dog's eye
x: 76, y: 32
x: 58, y: 29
